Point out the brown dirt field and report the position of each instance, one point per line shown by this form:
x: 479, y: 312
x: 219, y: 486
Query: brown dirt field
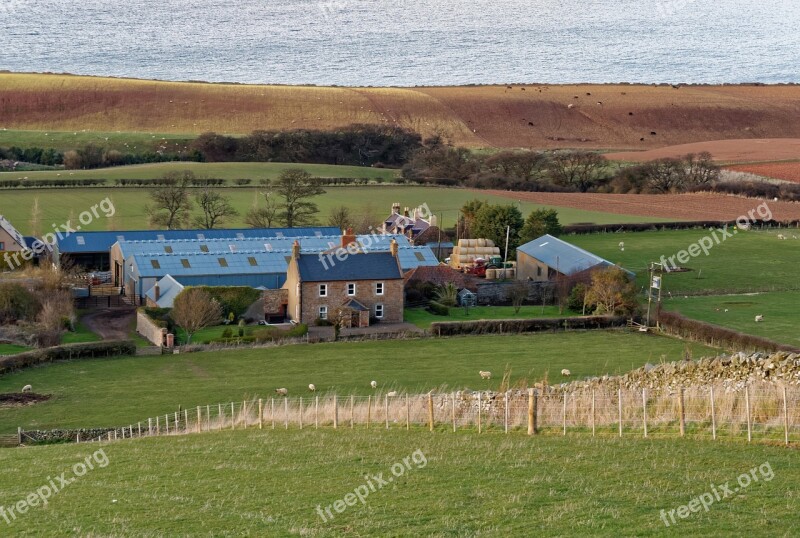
x: 786, y: 171
x: 18, y: 399
x: 746, y: 150
x: 603, y: 116
x: 110, y: 323
x: 696, y: 206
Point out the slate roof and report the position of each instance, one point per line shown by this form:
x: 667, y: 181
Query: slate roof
x: 10, y: 230
x: 370, y: 266
x: 80, y: 242
x: 169, y: 288
x: 565, y: 257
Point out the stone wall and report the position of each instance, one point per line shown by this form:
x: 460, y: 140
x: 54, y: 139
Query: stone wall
x: 149, y: 330
x: 497, y: 292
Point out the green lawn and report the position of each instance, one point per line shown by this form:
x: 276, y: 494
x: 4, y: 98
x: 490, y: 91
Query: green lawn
x: 128, y: 389
x: 749, y: 261
x: 81, y: 335
x: 230, y: 171
x: 269, y: 483
x: 11, y: 349
x: 423, y: 319
x: 59, y: 205
x: 780, y: 311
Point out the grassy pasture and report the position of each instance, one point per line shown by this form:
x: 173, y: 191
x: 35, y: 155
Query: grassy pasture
x: 116, y: 140
x: 230, y: 171
x: 748, y: 261
x: 781, y: 315
x: 128, y: 389
x: 269, y: 483
x: 57, y: 205
x: 11, y: 349
x: 423, y: 319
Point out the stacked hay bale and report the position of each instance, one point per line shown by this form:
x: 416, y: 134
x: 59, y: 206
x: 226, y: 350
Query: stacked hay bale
x: 468, y: 250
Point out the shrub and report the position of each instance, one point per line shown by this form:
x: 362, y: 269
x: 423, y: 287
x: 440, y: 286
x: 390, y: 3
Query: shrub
x: 236, y: 299
x: 227, y: 333
x: 67, y: 352
x: 504, y: 326
x: 438, y: 309
x: 17, y: 303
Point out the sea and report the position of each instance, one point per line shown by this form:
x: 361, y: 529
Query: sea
x: 407, y: 42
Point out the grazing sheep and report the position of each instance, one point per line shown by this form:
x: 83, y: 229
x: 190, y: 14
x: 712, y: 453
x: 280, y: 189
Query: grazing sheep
x: 485, y: 375
x: 622, y: 244
x: 392, y: 394
x: 282, y: 391
x: 759, y: 318
x: 566, y: 373
x: 312, y: 387
x: 781, y: 236
x: 570, y: 106
x: 373, y: 384
x: 27, y: 388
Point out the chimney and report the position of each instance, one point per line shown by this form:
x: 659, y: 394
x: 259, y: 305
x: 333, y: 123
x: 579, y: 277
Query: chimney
x: 296, y: 249
x: 433, y: 221
x: 396, y: 208
x: 393, y: 248
x: 348, y: 238
x: 405, y: 212
x: 157, y: 291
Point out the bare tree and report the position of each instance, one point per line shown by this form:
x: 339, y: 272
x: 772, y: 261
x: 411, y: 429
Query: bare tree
x: 170, y: 205
x: 612, y: 291
x: 665, y: 175
x: 579, y: 169
x: 518, y: 293
x: 194, y: 309
x: 216, y: 209
x: 266, y: 216
x: 341, y: 217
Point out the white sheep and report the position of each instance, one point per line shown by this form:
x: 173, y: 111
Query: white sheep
x: 392, y: 394
x: 781, y: 236
x: 27, y: 388
x: 485, y: 375
x: 373, y: 384
x: 570, y: 106
x: 759, y: 318
x: 312, y: 387
x: 622, y: 244
x: 566, y: 373
x: 282, y: 391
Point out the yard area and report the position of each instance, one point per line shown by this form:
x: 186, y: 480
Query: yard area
x: 423, y: 318
x: 11, y: 349
x: 120, y: 390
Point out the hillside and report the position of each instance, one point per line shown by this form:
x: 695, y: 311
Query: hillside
x: 603, y: 116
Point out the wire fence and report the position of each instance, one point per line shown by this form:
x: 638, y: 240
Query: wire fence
x: 757, y: 412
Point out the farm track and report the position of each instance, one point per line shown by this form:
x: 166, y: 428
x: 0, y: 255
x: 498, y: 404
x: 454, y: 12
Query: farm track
x: 697, y: 206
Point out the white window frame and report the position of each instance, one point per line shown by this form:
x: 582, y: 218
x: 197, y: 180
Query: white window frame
x: 353, y: 284
x: 323, y: 312
x: 380, y: 288
x: 382, y: 309
x: 323, y: 290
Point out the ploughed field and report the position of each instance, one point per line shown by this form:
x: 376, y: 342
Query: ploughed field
x: 786, y: 171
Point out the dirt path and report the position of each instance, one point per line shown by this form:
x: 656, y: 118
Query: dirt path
x: 110, y: 323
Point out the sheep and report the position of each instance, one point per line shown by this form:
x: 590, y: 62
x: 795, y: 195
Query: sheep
x: 312, y: 387
x: 27, y: 388
x: 781, y: 236
x: 373, y: 384
x: 282, y: 391
x: 570, y: 106
x: 566, y: 373
x: 622, y: 245
x: 485, y: 375
x: 392, y: 394
x: 759, y: 318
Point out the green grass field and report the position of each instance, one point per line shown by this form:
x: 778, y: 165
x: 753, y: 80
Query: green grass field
x: 69, y: 140
x: 749, y: 261
x: 128, y: 389
x: 58, y: 205
x: 423, y: 319
x: 781, y: 315
x: 229, y: 171
x: 11, y: 349
x: 269, y: 483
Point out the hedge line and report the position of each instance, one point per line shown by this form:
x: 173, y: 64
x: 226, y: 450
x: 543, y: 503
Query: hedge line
x: 66, y: 352
x: 41, y: 183
x: 714, y: 335
x: 655, y: 226
x: 505, y: 326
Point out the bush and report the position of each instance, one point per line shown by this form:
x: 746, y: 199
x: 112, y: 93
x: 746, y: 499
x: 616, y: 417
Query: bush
x: 227, y: 333
x: 504, y: 326
x: 236, y: 299
x: 438, y: 309
x: 272, y: 334
x: 67, y: 352
x: 17, y: 303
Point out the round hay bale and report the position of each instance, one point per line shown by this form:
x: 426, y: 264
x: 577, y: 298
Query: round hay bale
x: 491, y: 274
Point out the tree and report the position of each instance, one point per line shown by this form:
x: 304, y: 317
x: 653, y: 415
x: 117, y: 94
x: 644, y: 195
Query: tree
x: 700, y: 169
x: 467, y: 219
x: 341, y: 217
x: 518, y: 293
x: 263, y: 217
x: 665, y: 175
x: 491, y: 222
x: 540, y: 222
x: 447, y: 294
x: 296, y: 186
x: 170, y: 205
x: 612, y: 291
x: 216, y: 209
x: 580, y: 170
x: 194, y: 309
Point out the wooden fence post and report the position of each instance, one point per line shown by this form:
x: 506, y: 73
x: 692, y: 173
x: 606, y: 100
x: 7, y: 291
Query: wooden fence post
x: 430, y: 411
x: 408, y: 414
x: 233, y: 417
x: 300, y: 403
x: 564, y: 414
x: 619, y: 405
x: 166, y: 422
x: 260, y: 414
x: 208, y: 418
x: 369, y: 410
x: 316, y: 412
x: 505, y: 412
x: 335, y: 412
x: 19, y: 436
x: 682, y: 411
x: 352, y: 411
x: 149, y: 426
x: 285, y: 412
x: 158, y: 426
x: 272, y: 411
x: 531, y: 429
x: 177, y: 423
x: 593, y: 414
x: 140, y: 429
x: 644, y: 411
x: 220, y: 416
x: 479, y: 412
x: 453, y: 413
x: 785, y: 419
x: 244, y: 414
x: 747, y: 410
x: 713, y: 417
x: 386, y: 410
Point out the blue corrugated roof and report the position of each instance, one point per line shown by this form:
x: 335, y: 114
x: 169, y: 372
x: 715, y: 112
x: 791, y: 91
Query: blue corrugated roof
x: 566, y: 258
x: 371, y: 266
x: 79, y: 242
x: 169, y: 288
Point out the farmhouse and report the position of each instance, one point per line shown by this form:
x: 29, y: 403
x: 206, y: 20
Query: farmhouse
x: 361, y: 285
x: 163, y: 294
x: 547, y: 257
